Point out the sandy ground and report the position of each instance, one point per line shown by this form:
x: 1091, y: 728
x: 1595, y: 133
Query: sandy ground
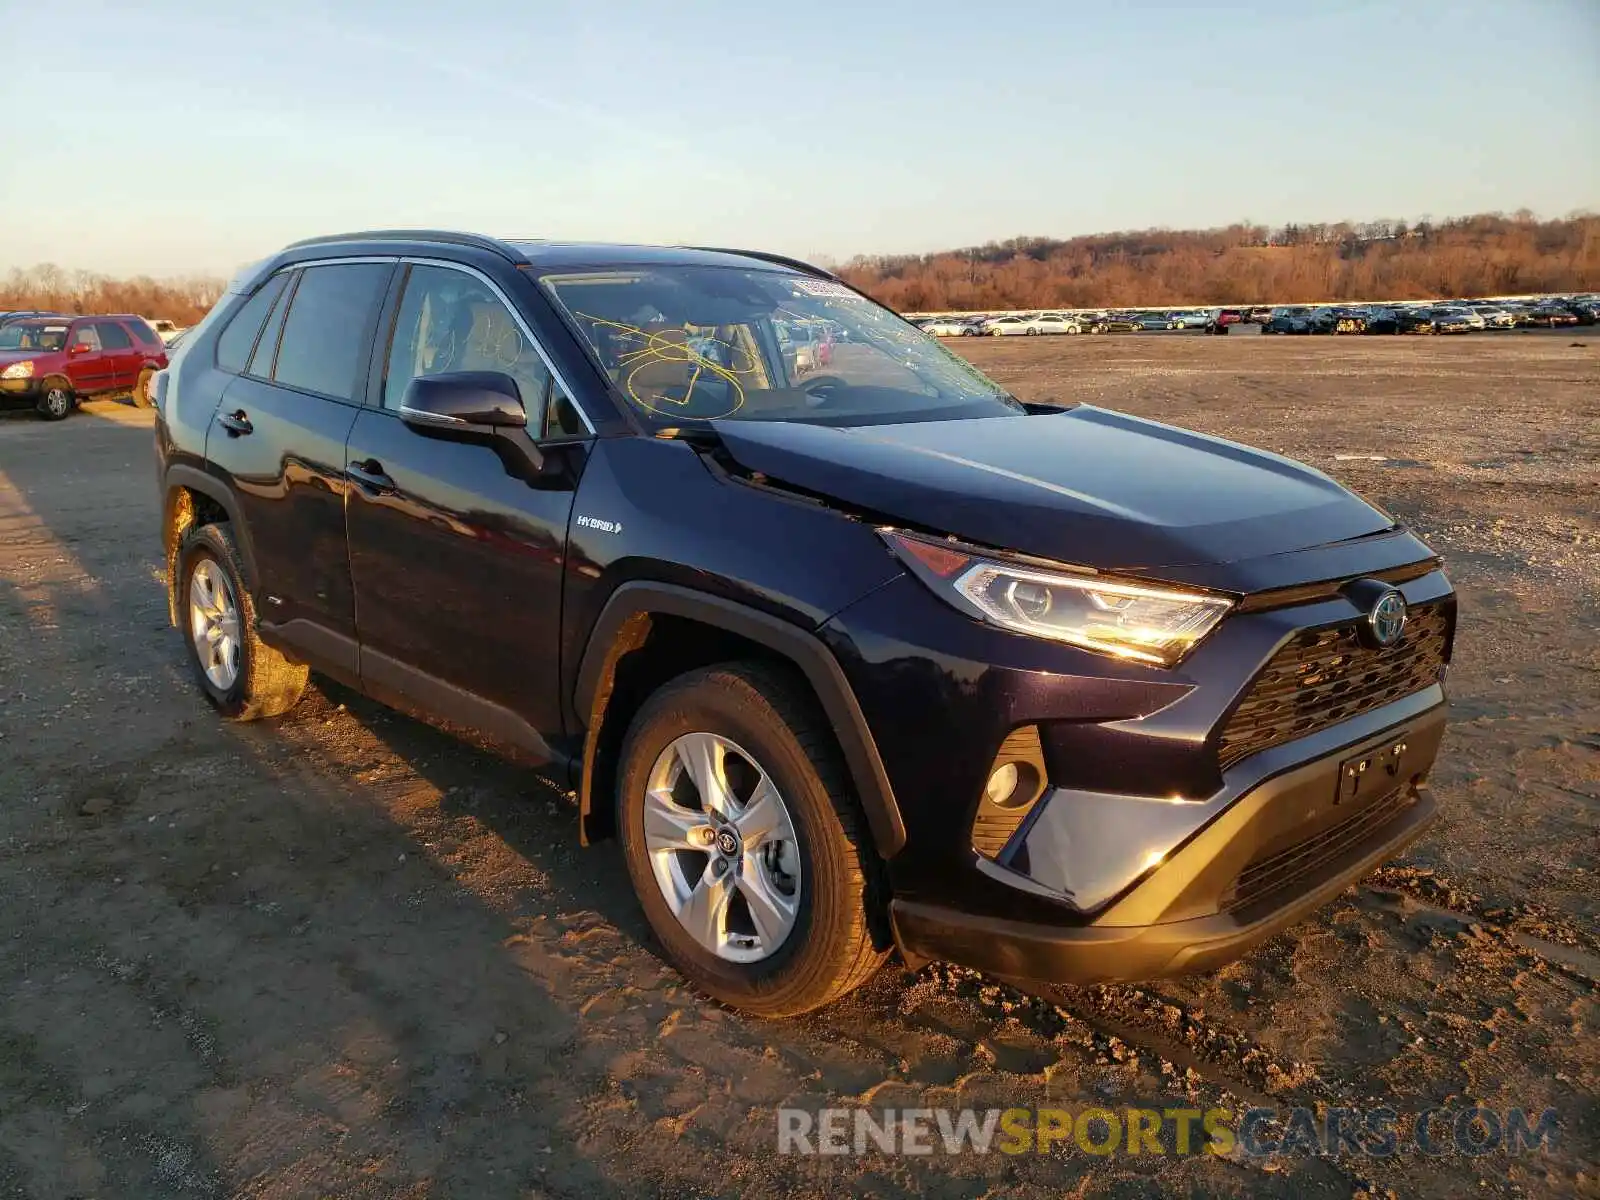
x: 349, y: 955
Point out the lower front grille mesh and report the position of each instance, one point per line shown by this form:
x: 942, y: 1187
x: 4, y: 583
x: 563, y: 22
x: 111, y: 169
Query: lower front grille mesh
x: 1268, y: 875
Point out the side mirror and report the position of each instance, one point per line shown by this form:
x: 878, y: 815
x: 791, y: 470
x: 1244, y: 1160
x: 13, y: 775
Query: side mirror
x: 467, y: 402
x: 79, y: 348
x: 484, y: 407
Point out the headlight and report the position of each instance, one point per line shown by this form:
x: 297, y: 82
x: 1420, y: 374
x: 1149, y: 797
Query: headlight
x: 1151, y: 624
x: 20, y: 370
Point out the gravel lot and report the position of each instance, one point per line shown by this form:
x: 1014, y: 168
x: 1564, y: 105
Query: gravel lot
x: 347, y: 954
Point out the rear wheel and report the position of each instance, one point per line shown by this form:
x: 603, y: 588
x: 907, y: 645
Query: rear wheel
x: 56, y: 400
x: 242, y: 676
x: 747, y: 851
x: 141, y: 389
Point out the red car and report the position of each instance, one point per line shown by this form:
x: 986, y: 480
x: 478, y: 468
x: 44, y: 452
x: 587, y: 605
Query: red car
x: 53, y: 362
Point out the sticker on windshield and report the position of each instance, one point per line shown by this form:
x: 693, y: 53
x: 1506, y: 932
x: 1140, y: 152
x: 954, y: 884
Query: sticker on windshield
x: 824, y: 287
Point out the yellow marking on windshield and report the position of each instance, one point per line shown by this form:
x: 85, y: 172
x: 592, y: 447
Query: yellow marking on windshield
x: 659, y: 349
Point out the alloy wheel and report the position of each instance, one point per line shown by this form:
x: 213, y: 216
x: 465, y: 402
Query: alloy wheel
x: 214, y: 624
x: 57, y: 401
x: 722, y: 847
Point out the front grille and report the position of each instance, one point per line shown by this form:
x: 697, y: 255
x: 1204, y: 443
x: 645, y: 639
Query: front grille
x: 1323, y: 676
x: 1272, y: 873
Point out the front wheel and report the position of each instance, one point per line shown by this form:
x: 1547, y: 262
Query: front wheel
x: 747, y: 850
x: 56, y: 401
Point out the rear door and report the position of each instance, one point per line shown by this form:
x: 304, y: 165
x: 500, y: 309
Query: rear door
x: 121, y: 356
x: 280, y: 433
x: 457, y: 563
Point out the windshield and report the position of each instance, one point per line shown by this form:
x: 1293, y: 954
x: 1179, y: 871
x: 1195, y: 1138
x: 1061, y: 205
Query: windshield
x: 33, y: 337
x: 699, y: 343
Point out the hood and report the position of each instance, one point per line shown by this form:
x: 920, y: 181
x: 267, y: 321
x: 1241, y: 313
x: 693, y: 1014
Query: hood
x: 11, y: 356
x: 1085, y: 486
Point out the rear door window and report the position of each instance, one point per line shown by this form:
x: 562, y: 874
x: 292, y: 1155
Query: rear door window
x: 325, y: 335
x: 239, y: 338
x: 112, y: 335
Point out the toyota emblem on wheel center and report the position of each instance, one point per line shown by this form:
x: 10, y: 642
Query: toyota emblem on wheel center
x: 728, y: 843
x: 1388, y: 618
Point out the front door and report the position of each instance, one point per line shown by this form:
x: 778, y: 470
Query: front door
x: 457, y: 564
x: 86, y: 360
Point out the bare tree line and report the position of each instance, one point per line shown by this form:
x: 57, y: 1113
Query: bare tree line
x: 49, y: 287
x: 1248, y: 264
x: 1242, y: 264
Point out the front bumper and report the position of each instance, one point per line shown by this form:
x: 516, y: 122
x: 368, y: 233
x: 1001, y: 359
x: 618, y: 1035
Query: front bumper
x: 1283, y: 848
x: 20, y: 389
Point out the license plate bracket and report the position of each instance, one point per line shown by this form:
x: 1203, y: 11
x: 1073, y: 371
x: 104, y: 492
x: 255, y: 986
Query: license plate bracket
x: 1374, y: 772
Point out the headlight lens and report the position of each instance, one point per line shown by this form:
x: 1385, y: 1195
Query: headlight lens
x: 1150, y: 624
x: 18, y: 370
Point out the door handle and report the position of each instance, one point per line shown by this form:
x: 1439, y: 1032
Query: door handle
x: 236, y: 423
x: 370, y: 475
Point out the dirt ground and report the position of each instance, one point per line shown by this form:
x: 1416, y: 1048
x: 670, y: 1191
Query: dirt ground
x: 347, y: 954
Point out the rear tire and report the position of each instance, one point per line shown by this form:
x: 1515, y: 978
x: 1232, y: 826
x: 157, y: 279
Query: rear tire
x: 242, y: 676
x: 141, y: 389
x: 772, y: 723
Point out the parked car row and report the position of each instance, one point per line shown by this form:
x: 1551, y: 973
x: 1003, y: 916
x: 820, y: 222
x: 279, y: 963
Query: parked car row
x: 1450, y: 316
x: 51, y: 362
x: 1462, y: 316
x: 1213, y: 320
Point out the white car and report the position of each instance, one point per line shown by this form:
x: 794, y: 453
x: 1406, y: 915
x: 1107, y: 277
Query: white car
x: 944, y: 327
x: 165, y: 330
x: 1473, y: 318
x: 1008, y: 325
x: 1051, y: 322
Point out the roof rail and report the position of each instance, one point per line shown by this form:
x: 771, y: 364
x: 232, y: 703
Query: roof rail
x: 781, y: 260
x: 450, y: 237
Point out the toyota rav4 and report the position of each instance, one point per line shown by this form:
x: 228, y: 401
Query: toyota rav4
x: 849, y: 659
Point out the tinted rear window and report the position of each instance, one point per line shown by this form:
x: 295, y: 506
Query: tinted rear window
x: 237, y: 340
x: 324, y: 340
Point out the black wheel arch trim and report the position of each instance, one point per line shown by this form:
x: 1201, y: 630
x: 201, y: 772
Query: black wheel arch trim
x: 180, y: 475
x: 610, y: 639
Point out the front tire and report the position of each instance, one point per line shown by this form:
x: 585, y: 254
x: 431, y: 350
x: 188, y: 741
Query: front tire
x: 242, y: 676
x: 748, y: 853
x: 56, y: 401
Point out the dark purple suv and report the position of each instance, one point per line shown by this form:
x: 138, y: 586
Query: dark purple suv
x: 850, y: 651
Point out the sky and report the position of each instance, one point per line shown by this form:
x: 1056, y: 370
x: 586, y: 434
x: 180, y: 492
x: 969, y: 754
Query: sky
x: 171, y: 137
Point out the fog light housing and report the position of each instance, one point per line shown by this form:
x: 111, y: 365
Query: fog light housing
x: 1016, y: 781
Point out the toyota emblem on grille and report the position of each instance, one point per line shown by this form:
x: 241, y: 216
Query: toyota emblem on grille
x: 1387, y: 620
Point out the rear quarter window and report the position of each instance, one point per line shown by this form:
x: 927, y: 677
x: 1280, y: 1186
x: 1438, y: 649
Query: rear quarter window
x: 142, y: 330
x: 239, y: 337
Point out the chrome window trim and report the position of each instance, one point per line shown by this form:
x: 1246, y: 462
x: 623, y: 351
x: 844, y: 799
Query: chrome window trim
x: 334, y: 262
x: 538, y: 348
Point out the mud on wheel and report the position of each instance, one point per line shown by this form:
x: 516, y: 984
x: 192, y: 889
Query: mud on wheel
x: 241, y: 675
